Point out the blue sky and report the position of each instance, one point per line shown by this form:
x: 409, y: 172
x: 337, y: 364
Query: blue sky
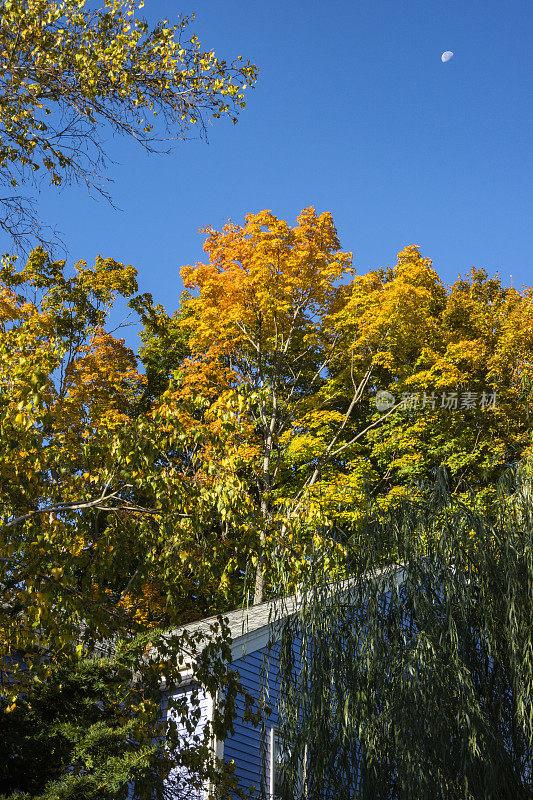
x: 354, y: 113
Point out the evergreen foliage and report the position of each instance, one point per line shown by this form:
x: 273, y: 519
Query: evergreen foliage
x: 101, y: 727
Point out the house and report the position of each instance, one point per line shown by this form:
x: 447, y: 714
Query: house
x: 259, y: 755
x: 254, y: 658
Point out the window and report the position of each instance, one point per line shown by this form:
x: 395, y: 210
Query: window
x: 280, y: 754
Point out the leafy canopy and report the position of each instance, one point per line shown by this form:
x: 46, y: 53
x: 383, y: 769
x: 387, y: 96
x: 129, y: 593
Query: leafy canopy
x: 111, y: 515
x: 260, y: 331
x: 459, y: 360
x: 70, y: 70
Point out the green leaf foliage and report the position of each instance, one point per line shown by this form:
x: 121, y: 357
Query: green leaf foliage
x: 417, y: 670
x: 95, y: 727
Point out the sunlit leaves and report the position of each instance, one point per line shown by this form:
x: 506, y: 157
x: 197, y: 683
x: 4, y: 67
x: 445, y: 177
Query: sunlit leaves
x: 427, y: 342
x: 260, y: 327
x: 115, y: 513
x: 416, y: 674
x: 69, y: 69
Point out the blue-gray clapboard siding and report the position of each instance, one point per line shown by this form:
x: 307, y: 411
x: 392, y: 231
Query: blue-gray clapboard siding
x: 244, y: 746
x: 258, y: 672
x: 259, y: 675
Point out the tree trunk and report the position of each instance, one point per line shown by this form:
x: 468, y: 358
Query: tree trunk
x: 259, y: 583
x: 259, y: 577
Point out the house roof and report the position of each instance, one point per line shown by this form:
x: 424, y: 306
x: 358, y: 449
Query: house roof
x: 248, y: 627
x: 251, y: 627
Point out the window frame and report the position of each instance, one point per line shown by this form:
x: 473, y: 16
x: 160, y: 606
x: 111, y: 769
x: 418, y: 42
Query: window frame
x: 272, y: 741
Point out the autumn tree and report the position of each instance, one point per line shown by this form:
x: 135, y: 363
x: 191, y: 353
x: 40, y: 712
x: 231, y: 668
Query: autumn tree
x: 458, y: 360
x: 165, y: 345
x: 110, y: 515
x: 111, y: 526
x: 70, y: 71
x: 262, y: 331
x: 280, y: 323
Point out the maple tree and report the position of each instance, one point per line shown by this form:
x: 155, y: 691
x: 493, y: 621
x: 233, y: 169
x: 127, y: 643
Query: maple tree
x: 111, y: 525
x: 262, y: 334
x: 282, y: 327
x: 460, y: 359
x: 97, y: 494
x: 134, y: 500
x: 70, y: 70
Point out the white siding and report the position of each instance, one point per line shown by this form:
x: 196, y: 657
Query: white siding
x: 179, y: 781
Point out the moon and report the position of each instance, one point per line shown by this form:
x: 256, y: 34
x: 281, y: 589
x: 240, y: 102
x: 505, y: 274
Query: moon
x: 446, y: 56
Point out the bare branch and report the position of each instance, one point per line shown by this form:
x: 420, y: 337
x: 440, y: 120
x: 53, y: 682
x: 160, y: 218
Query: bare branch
x: 99, y: 503
x: 20, y: 222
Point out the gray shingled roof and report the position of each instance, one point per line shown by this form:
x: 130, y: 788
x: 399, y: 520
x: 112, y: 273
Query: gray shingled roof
x: 243, y: 621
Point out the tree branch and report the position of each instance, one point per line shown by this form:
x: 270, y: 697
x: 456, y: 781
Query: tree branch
x: 97, y: 503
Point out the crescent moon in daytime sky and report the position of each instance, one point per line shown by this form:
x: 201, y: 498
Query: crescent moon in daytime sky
x: 446, y: 56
